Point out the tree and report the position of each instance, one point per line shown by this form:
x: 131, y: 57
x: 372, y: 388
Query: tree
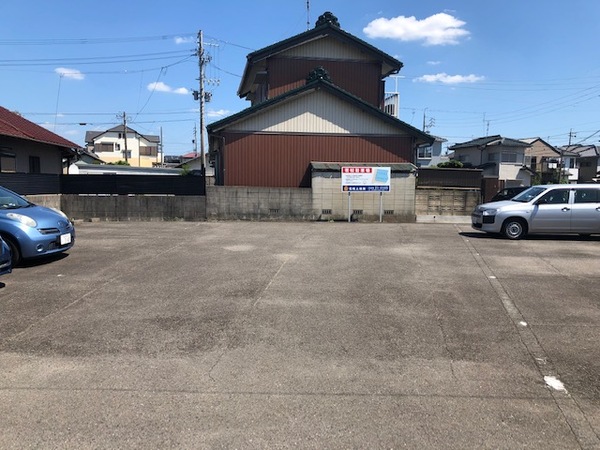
x: 452, y: 164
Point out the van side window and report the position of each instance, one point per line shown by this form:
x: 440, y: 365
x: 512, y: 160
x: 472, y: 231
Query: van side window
x: 554, y: 197
x: 587, y: 196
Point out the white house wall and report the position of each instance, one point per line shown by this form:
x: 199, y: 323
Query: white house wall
x: 316, y: 112
x: 326, y: 48
x: 134, y: 142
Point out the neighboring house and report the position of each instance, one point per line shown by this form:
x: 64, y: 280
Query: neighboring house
x: 431, y: 155
x: 26, y: 147
x: 498, y: 157
x: 588, y: 157
x: 88, y: 157
x: 547, y: 161
x: 317, y: 96
x: 82, y: 168
x: 109, y: 145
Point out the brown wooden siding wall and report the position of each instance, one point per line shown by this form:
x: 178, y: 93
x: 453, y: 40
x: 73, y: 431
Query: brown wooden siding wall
x: 274, y: 160
x: 359, y: 78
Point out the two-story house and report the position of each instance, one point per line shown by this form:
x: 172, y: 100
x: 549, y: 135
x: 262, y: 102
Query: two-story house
x: 588, y: 157
x: 430, y: 155
x: 499, y: 157
x: 317, y: 96
x: 124, y: 144
x: 550, y: 164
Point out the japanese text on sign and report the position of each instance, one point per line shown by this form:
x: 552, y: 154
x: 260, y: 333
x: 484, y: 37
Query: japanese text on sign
x: 366, y: 179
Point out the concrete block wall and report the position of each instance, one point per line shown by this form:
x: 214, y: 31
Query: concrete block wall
x: 49, y: 200
x: 258, y: 203
x: 134, y: 207
x: 325, y: 201
x: 332, y: 204
x: 446, y: 201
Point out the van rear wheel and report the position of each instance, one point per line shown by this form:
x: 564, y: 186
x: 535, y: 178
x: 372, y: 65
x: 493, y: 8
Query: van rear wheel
x: 514, y: 229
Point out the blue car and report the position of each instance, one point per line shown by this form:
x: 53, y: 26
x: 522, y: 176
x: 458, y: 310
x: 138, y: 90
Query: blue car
x: 5, y: 258
x: 32, y: 231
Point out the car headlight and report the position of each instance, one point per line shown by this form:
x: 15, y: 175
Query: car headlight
x: 489, y: 212
x: 25, y: 220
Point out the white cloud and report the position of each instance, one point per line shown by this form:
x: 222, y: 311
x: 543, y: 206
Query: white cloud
x: 73, y: 74
x: 218, y: 113
x: 439, y: 29
x: 184, y: 39
x: 162, y: 87
x: 444, y: 78
x: 434, y: 63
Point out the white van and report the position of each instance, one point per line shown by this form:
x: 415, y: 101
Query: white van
x: 552, y: 208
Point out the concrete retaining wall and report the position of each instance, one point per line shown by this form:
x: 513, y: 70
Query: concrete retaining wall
x: 325, y: 201
x: 255, y: 203
x: 49, y: 200
x: 436, y: 201
x: 134, y: 207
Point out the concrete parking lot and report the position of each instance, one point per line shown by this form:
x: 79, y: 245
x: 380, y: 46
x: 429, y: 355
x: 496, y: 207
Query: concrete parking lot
x: 302, y: 335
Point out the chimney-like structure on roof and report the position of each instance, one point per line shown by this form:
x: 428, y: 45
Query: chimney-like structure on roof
x: 327, y: 17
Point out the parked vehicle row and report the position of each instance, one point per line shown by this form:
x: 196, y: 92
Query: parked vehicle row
x: 30, y: 230
x: 559, y: 208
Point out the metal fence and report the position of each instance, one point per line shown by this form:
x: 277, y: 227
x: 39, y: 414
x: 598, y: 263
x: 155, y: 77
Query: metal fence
x: 32, y: 184
x: 438, y: 177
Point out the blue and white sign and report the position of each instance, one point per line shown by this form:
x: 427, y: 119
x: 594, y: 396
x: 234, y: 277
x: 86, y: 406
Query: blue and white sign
x: 366, y: 179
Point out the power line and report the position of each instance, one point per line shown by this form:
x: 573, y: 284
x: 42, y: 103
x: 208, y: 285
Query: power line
x: 95, y: 59
x: 86, y: 41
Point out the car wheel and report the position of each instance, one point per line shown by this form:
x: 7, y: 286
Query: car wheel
x: 514, y: 229
x: 14, y: 250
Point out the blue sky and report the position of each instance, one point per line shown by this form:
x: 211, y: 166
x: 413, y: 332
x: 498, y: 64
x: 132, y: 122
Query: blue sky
x: 471, y: 68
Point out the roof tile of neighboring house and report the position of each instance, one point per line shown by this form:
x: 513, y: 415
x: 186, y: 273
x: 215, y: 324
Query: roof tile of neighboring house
x: 488, y: 141
x: 12, y: 124
x: 582, y: 150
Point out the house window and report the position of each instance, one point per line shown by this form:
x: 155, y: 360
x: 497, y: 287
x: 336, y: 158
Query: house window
x: 425, y: 152
x: 148, y: 151
x: 34, y: 164
x: 509, y: 157
x: 493, y: 157
x: 103, y: 147
x: 463, y: 158
x: 8, y: 162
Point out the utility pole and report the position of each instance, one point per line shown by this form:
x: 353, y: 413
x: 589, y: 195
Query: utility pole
x: 201, y: 62
x: 161, y: 150
x: 200, y: 94
x: 194, y: 141
x: 123, y: 116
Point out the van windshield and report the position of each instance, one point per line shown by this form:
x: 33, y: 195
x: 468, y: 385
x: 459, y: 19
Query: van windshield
x: 529, y: 194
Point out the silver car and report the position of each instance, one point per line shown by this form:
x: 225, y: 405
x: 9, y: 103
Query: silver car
x: 556, y: 208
